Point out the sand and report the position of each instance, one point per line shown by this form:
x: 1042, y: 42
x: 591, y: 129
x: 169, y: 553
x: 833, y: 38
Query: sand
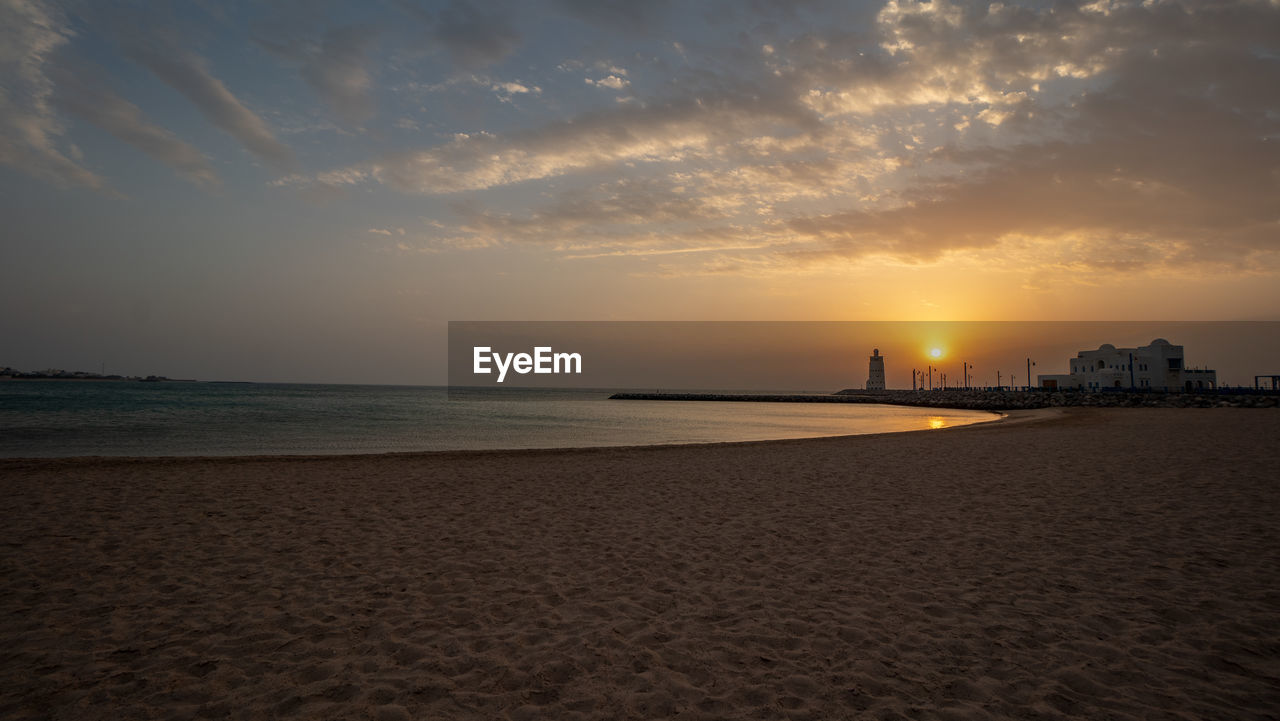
x: 1102, y: 564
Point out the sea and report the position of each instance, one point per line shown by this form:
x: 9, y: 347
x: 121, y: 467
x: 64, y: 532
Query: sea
x: 171, y: 418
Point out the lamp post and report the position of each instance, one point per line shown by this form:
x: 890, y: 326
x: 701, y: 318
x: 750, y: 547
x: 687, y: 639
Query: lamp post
x: 930, y: 377
x: 997, y: 380
x: 1029, y: 364
x: 966, y: 375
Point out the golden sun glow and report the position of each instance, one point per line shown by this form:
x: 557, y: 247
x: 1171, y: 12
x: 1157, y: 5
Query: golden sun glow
x: 935, y: 353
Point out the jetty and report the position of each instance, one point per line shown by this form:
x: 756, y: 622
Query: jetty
x: 993, y: 400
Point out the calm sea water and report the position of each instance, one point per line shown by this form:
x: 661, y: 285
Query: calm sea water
x: 66, y: 418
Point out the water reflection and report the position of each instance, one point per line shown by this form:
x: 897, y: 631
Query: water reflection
x: 56, y: 418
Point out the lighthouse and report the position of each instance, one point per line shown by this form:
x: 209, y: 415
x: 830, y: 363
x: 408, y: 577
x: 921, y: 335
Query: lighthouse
x: 875, y: 375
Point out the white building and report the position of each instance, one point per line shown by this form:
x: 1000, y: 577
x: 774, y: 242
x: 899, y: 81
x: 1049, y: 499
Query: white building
x: 875, y: 374
x: 1158, y: 366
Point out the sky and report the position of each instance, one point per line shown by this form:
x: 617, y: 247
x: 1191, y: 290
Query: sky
x: 309, y: 191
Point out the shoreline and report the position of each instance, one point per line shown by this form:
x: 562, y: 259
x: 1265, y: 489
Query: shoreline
x: 999, y: 571
x: 1001, y: 417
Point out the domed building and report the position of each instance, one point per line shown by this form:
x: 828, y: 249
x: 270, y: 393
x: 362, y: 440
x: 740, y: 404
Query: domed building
x: 1157, y: 367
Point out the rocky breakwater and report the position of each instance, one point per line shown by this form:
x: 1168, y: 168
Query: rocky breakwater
x: 743, y: 397
x: 991, y: 400
x: 1003, y: 400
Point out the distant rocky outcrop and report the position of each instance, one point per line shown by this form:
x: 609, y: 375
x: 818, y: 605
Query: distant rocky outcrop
x: 54, y: 374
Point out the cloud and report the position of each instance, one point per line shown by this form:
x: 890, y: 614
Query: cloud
x: 1133, y: 138
x: 513, y: 88
x: 30, y: 35
x: 670, y: 132
x: 613, y: 82
x: 506, y: 90
x: 187, y: 73
x: 478, y: 161
x: 475, y: 37
x: 338, y: 72
x: 1172, y: 161
x: 1112, y: 137
x: 330, y: 179
x: 98, y: 105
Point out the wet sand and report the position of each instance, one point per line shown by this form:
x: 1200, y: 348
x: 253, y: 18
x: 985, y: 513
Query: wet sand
x: 1092, y: 563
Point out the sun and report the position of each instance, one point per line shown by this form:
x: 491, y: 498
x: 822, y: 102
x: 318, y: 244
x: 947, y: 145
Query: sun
x: 936, y: 352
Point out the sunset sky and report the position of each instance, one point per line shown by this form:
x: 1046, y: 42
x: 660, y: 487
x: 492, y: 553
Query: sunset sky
x: 308, y: 191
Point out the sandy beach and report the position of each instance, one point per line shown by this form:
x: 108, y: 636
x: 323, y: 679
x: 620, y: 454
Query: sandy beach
x: 1089, y: 563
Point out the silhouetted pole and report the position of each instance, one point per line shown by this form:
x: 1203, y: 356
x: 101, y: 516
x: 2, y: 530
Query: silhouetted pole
x: 966, y: 375
x: 998, y: 380
x: 1029, y: 364
x: 930, y: 377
